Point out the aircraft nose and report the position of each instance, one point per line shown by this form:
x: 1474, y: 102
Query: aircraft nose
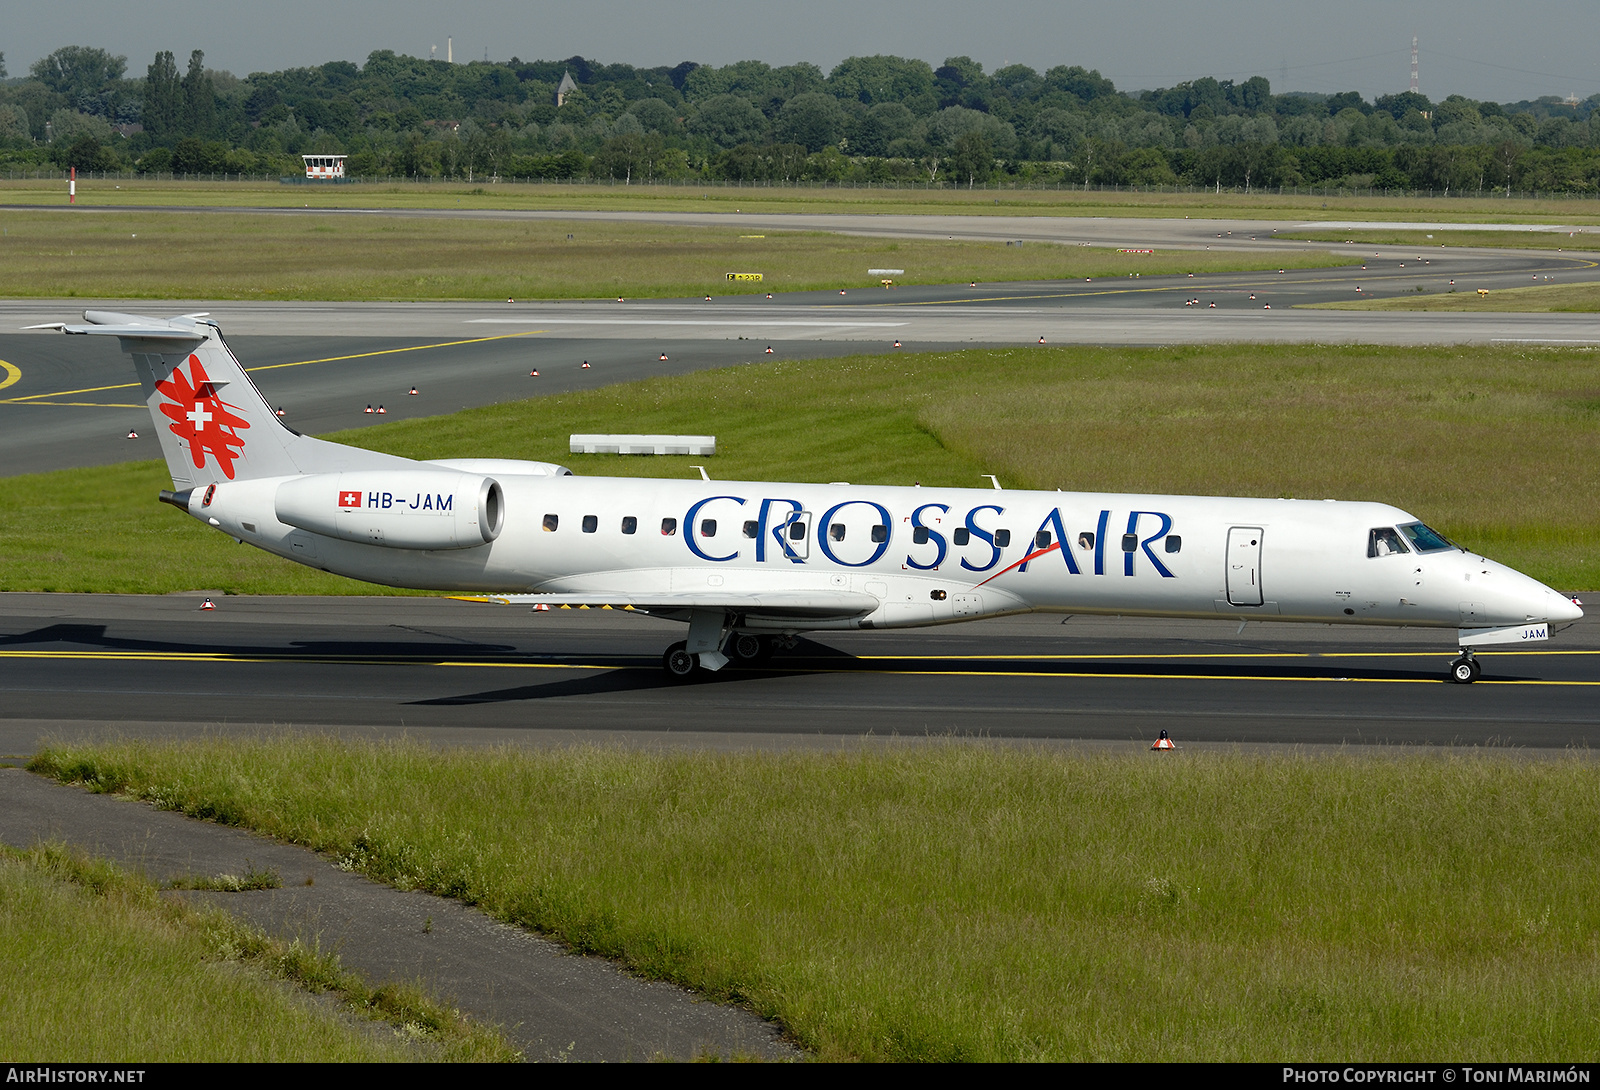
x: 1561, y: 608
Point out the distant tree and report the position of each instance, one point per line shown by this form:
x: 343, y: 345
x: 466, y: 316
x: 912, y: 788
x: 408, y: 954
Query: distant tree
x: 729, y: 120
x: 814, y: 120
x: 163, y: 97
x: 75, y: 69
x: 2, y: 65
x: 199, y: 97
x: 971, y: 158
x: 879, y: 78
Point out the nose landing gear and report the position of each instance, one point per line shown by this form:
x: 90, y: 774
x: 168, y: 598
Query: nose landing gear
x: 1464, y: 669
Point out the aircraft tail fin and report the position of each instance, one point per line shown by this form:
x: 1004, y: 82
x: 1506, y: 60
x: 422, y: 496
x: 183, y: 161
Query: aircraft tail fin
x: 213, y: 423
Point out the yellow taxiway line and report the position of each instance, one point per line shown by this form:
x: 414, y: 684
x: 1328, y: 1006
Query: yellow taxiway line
x: 15, y: 373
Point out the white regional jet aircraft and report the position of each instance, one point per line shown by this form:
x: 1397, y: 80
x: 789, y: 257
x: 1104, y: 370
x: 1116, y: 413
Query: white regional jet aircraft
x: 750, y: 564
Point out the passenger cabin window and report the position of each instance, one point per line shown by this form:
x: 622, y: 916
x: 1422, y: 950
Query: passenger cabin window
x: 1002, y: 538
x: 1086, y: 540
x: 591, y: 523
x: 1041, y: 540
x: 920, y: 535
x: 669, y: 527
x: 836, y: 531
x: 961, y: 536
x: 797, y: 531
x: 1384, y: 541
x: 752, y: 528
x: 629, y: 524
x: 551, y: 522
x: 880, y: 534
x: 1130, y: 543
x: 1425, y: 539
x: 708, y: 527
x: 1174, y: 543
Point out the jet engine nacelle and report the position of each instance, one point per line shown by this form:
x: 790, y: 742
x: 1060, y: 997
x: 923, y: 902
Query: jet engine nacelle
x: 404, y: 509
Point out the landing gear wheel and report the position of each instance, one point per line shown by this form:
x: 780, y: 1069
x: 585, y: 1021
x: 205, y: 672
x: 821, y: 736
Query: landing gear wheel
x: 1465, y: 670
x: 746, y: 648
x: 678, y: 663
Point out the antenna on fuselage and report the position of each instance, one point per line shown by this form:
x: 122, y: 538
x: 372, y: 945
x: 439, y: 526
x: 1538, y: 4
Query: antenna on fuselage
x: 704, y: 476
x: 994, y: 481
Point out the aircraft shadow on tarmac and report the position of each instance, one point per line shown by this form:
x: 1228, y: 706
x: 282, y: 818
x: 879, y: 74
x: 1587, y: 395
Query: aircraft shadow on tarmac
x: 812, y: 658
x: 625, y: 672
x: 94, y: 635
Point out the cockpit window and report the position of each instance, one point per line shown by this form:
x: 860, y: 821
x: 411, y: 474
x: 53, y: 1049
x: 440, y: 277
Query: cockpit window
x: 1384, y: 541
x: 1425, y: 540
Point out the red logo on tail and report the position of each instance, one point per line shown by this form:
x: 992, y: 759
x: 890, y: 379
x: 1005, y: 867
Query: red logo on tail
x: 202, y: 419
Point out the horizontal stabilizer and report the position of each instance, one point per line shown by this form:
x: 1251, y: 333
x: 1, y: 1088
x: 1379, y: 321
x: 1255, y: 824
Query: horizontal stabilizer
x: 813, y: 604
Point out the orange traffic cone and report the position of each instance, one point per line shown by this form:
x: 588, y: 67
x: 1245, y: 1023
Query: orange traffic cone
x: 1163, y: 743
x: 1041, y: 340
x: 510, y: 300
x: 382, y: 410
x: 769, y: 350
x: 663, y: 355
x: 585, y: 366
x: 841, y: 291
x: 542, y: 607
x: 369, y: 408
x: 897, y: 344
x: 280, y: 410
x: 769, y: 295
x: 413, y: 390
x: 208, y: 604
x: 132, y: 434
x: 534, y: 373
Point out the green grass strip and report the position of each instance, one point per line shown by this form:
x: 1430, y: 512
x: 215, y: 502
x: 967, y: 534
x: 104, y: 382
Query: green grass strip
x: 178, y: 255
x: 94, y: 193
x: 95, y: 965
x: 951, y: 901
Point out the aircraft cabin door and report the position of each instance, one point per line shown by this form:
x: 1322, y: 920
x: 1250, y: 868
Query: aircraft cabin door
x: 797, y: 535
x: 1244, y: 566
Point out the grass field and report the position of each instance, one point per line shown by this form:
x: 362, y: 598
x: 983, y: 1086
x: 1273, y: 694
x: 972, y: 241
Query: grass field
x: 962, y: 902
x: 1550, y: 299
x: 127, y: 255
x: 680, y: 198
x: 95, y: 966
x: 1497, y: 446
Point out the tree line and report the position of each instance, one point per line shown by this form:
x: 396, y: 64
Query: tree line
x: 877, y: 118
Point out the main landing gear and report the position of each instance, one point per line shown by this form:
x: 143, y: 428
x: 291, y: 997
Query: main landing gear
x: 741, y: 648
x: 1464, y: 669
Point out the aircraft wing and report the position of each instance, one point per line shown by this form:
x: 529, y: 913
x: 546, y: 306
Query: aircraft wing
x: 809, y: 604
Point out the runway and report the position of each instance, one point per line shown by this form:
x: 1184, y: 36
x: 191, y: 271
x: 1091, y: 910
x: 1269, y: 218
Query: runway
x: 464, y: 673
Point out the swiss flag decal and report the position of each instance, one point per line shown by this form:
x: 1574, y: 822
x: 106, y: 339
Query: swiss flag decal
x: 349, y: 499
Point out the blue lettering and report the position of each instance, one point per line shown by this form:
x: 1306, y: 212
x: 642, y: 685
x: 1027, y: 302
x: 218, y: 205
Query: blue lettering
x: 983, y: 535
x: 1100, y: 544
x: 780, y: 532
x: 933, y: 535
x: 1052, y: 522
x: 822, y: 533
x: 1133, y: 524
x: 692, y: 532
x: 372, y: 499
x: 445, y: 502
